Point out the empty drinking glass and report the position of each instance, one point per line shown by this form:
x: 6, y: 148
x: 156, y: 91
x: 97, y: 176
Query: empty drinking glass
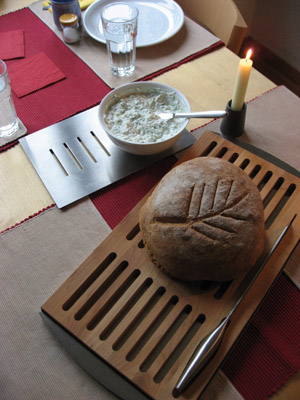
x: 119, y: 22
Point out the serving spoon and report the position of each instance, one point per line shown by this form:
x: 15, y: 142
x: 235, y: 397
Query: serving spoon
x: 200, y: 114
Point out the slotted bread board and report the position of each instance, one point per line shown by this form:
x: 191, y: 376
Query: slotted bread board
x: 144, y: 325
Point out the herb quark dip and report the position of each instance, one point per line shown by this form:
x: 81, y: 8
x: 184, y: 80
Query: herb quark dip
x: 134, y: 118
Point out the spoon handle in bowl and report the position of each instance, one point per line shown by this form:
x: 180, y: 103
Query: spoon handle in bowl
x: 201, y: 114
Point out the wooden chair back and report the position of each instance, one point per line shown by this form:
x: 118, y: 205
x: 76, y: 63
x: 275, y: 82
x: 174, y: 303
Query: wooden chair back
x: 221, y: 17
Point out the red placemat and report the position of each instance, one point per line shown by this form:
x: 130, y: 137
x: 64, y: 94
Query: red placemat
x: 268, y: 352
x: 81, y: 89
x: 116, y: 201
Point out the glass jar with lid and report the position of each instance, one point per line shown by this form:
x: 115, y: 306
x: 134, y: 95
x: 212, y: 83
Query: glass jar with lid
x: 70, y: 28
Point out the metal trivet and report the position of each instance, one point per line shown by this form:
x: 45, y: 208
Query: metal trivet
x: 74, y: 158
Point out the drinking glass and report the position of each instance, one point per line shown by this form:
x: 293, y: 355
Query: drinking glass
x: 9, y: 123
x: 119, y: 22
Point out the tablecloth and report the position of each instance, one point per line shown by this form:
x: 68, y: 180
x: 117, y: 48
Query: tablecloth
x: 33, y: 272
x: 27, y: 339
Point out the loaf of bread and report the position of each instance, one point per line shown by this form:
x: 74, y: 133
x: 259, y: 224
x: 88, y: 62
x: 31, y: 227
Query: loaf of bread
x: 204, y: 221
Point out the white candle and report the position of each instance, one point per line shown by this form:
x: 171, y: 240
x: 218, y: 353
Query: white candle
x: 241, y: 83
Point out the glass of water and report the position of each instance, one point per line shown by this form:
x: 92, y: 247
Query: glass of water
x: 119, y: 22
x: 9, y: 123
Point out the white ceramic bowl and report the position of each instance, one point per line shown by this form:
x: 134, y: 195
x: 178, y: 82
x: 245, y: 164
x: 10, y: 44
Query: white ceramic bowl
x: 141, y: 148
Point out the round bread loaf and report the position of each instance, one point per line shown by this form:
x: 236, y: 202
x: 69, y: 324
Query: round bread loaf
x: 204, y: 221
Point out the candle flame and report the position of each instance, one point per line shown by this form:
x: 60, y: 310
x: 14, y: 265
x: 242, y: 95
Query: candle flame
x: 249, y: 54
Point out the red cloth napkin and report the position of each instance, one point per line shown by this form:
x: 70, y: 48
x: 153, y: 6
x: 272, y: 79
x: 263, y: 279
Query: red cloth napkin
x: 33, y: 73
x: 12, y: 44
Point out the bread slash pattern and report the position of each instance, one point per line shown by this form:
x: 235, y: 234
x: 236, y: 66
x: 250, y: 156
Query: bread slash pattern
x: 211, y: 209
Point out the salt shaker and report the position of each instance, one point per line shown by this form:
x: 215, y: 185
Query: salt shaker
x: 70, y: 28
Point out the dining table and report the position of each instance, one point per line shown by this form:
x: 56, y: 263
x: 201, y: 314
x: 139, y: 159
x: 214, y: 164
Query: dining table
x: 42, y: 245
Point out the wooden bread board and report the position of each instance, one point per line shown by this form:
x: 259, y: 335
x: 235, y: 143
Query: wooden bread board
x: 146, y: 326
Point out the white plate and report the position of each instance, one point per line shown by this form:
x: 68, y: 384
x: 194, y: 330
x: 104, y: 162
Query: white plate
x: 158, y: 20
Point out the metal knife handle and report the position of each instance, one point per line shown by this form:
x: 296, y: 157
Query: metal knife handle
x: 206, y: 349
x: 210, y: 344
x: 201, y: 114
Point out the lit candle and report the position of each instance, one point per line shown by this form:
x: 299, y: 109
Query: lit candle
x: 241, y: 83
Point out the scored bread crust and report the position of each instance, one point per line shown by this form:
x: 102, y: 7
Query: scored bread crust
x: 204, y: 221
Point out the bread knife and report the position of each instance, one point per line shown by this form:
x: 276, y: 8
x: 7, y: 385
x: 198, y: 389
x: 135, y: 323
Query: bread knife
x: 209, y: 345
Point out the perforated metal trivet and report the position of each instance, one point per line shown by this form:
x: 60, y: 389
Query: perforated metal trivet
x: 74, y: 158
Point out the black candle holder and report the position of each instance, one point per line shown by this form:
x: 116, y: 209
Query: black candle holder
x: 233, y: 124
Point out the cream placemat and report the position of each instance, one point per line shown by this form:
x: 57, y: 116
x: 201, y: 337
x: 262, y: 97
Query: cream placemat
x: 272, y: 124
x: 36, y: 257
x: 191, y: 39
